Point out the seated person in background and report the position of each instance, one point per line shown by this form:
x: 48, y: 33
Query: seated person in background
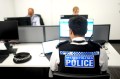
x: 78, y: 56
x: 75, y: 10
x: 36, y: 20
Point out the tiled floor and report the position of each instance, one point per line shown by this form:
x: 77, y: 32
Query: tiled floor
x: 115, y: 71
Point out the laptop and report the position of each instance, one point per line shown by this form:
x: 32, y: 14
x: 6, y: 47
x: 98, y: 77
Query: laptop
x: 49, y: 47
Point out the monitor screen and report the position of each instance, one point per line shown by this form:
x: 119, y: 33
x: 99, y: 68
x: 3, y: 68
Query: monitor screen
x: 22, y: 21
x: 69, y: 16
x: 64, y: 28
x: 101, y: 32
x: 8, y: 30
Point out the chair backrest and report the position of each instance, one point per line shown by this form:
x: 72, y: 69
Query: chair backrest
x: 41, y: 20
x: 79, y: 76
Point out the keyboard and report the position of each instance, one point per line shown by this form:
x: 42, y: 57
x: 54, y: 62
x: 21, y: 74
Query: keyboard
x: 101, y: 42
x: 4, y: 52
x: 3, y: 55
x: 48, y: 55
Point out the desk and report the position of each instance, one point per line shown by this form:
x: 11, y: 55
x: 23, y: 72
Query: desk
x: 37, y: 67
x: 35, y: 49
x: 37, y: 61
x: 113, y: 55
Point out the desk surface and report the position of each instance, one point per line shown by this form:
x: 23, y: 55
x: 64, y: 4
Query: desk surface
x: 114, y: 56
x: 36, y: 61
x: 35, y: 49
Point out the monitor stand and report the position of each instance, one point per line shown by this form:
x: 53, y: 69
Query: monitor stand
x: 10, y: 48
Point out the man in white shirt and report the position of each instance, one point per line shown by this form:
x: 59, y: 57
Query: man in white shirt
x: 35, y: 20
x: 79, y: 55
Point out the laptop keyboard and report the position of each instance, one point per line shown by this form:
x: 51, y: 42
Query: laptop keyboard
x: 3, y: 55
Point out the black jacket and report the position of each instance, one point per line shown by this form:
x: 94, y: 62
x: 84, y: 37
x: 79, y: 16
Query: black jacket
x: 90, y: 47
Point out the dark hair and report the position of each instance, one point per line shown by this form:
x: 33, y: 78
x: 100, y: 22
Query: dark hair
x: 78, y: 25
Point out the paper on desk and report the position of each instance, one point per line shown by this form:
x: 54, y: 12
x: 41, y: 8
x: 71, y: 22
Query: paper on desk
x: 2, y: 46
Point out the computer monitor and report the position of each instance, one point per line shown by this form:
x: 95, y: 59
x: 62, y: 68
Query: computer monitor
x: 22, y: 21
x: 8, y: 31
x: 70, y: 16
x: 101, y: 32
x: 64, y: 28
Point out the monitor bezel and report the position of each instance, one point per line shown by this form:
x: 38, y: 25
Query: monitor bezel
x: 69, y: 16
x: 18, y: 20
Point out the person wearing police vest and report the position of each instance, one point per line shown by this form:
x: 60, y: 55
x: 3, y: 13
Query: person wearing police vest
x: 78, y: 56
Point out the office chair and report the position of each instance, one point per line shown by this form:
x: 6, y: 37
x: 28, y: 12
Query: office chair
x: 41, y: 20
x: 80, y: 76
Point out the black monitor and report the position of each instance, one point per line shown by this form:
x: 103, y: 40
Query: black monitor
x: 64, y: 28
x: 22, y: 21
x: 8, y: 31
x: 101, y: 32
x: 69, y: 16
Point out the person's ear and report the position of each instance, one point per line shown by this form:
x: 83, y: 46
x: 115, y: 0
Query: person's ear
x: 70, y: 31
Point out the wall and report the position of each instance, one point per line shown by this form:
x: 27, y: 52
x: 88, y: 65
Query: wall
x: 42, y: 7
x: 102, y: 11
x: 6, y: 9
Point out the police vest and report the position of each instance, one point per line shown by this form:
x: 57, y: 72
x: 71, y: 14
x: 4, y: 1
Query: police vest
x: 79, y: 59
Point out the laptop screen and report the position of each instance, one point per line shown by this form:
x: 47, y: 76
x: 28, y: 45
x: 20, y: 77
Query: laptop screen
x: 49, y: 46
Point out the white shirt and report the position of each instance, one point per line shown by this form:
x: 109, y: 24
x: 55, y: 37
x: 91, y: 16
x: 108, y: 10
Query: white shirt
x: 35, y: 20
x: 55, y: 60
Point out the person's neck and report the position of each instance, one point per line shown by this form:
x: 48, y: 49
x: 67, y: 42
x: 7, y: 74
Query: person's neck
x: 77, y: 37
x: 30, y: 15
x: 75, y: 14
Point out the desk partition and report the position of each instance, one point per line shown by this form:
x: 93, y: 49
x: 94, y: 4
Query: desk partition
x: 38, y: 33
x: 31, y: 34
x: 51, y: 32
x: 101, y: 32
